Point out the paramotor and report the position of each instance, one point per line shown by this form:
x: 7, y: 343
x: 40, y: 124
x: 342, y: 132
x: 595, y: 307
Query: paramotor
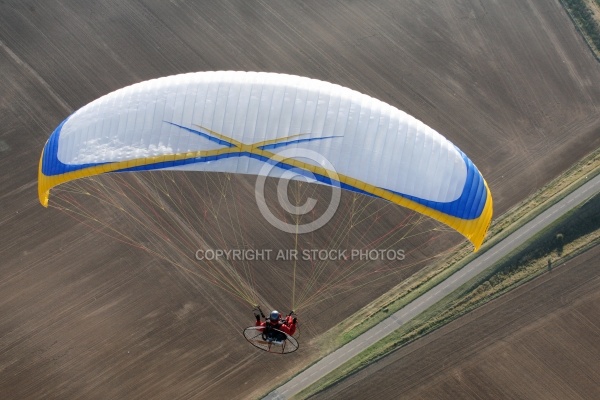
x: 272, y: 341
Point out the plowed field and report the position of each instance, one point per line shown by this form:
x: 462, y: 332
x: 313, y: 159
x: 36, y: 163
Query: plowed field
x: 541, y: 341
x: 84, y: 316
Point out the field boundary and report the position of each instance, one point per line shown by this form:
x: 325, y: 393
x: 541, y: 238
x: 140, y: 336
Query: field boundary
x: 586, y: 22
x: 402, y: 294
x: 430, y: 276
x: 508, y: 273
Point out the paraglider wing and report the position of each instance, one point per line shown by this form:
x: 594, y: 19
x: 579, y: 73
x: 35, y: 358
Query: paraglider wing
x: 237, y: 121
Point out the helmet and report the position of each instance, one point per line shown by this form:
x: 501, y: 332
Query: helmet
x: 274, y: 317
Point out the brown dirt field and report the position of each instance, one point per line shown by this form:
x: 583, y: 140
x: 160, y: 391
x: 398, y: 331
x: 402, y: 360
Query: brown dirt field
x: 540, y: 341
x: 511, y: 83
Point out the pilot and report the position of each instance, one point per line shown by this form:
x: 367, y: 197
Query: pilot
x: 275, y: 326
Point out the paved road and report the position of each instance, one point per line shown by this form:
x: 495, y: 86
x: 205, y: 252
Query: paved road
x: 438, y: 292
